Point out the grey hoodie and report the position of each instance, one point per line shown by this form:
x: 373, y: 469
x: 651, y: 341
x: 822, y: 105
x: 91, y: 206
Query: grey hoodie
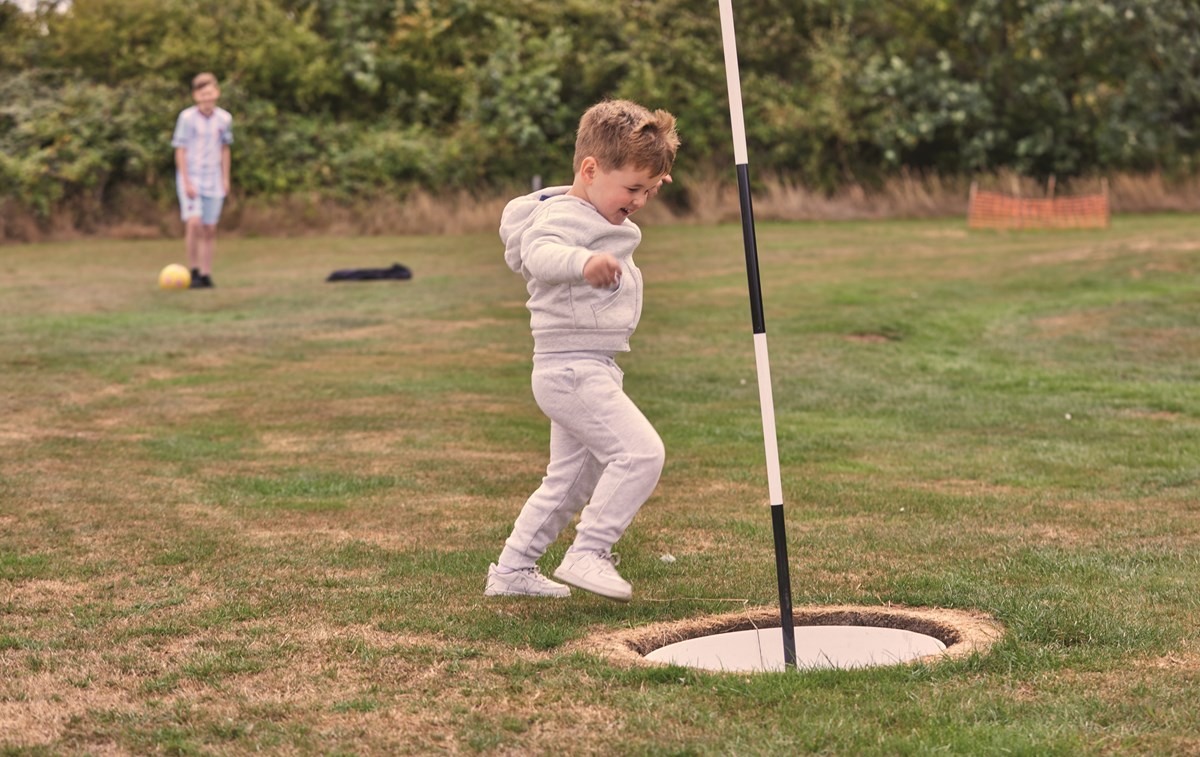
x: 548, y: 237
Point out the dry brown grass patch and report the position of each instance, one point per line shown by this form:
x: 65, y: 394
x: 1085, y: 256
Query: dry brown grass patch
x: 49, y: 701
x: 1153, y: 415
x: 967, y: 487
x: 867, y: 338
x: 301, y: 529
x: 1042, y: 533
x: 311, y: 667
x: 359, y: 443
x: 42, y: 593
x: 1072, y: 324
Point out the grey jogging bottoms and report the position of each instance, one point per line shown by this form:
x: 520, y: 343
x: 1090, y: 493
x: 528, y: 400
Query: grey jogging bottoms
x: 605, y: 458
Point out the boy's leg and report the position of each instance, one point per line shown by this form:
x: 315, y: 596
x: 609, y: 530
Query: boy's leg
x: 630, y: 450
x: 208, y: 239
x: 210, y: 215
x: 190, y: 211
x: 191, y: 237
x: 626, y: 445
x: 570, y: 478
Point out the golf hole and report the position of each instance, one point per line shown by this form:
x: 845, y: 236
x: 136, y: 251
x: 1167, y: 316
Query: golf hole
x: 841, y: 637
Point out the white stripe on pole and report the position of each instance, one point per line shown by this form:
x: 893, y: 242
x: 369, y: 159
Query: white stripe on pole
x: 767, y: 401
x: 734, y: 82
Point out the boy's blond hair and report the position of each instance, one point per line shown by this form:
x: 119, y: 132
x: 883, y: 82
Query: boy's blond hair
x: 203, y: 80
x: 620, y: 133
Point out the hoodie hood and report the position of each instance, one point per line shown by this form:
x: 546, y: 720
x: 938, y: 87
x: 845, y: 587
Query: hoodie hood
x: 517, y: 216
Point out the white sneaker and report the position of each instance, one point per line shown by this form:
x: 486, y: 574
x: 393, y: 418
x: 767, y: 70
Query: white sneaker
x: 595, y: 572
x: 523, y: 582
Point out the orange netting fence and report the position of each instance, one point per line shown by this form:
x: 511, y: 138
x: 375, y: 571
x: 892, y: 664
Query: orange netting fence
x: 993, y: 210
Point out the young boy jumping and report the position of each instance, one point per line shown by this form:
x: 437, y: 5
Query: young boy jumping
x: 202, y: 137
x: 574, y: 247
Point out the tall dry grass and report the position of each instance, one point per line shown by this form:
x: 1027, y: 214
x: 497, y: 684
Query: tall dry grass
x: 418, y: 213
x: 703, y: 200
x: 1150, y: 194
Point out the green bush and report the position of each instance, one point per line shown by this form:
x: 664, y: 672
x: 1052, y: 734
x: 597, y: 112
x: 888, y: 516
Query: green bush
x: 353, y: 97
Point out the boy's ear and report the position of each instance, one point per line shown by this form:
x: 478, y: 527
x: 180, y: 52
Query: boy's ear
x: 587, y: 169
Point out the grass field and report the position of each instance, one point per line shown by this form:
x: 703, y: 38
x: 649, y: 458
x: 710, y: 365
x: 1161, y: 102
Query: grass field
x: 258, y: 518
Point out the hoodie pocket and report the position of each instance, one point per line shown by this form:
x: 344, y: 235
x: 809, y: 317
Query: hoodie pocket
x: 618, y: 309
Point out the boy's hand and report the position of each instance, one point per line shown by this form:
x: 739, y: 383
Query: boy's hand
x: 666, y: 179
x: 188, y: 189
x: 602, y: 270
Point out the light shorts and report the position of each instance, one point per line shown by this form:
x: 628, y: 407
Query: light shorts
x: 205, y: 207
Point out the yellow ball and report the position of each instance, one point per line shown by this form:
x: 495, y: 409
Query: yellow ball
x: 174, y: 276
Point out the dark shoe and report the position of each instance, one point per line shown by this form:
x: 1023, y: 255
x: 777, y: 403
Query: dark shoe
x: 195, y: 279
x: 205, y: 282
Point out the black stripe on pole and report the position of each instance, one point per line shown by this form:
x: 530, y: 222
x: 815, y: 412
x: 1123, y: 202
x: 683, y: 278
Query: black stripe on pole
x: 786, y: 624
x: 756, y: 306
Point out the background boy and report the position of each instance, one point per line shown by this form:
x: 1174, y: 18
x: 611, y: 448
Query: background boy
x: 574, y: 247
x: 202, y: 137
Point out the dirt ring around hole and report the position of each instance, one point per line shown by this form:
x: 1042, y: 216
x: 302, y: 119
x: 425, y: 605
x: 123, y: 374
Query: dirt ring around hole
x: 964, y: 632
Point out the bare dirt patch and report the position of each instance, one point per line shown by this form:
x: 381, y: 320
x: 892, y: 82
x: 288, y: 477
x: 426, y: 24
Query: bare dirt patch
x: 963, y: 632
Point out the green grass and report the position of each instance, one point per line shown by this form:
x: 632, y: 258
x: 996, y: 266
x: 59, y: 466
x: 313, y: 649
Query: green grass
x: 258, y: 518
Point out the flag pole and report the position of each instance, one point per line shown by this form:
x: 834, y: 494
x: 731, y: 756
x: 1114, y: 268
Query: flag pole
x: 766, y: 401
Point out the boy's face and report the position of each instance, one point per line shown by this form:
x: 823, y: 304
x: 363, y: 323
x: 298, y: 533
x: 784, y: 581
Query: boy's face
x: 206, y: 98
x: 619, y: 193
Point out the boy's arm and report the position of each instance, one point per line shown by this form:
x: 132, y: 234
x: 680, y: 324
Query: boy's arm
x: 549, y: 257
x: 181, y: 167
x: 226, y: 159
